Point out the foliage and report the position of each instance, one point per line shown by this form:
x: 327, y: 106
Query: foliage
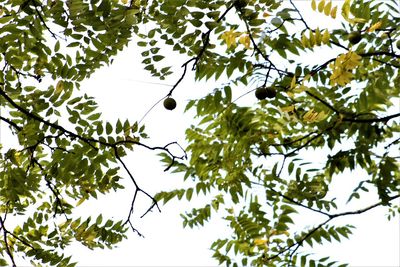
x: 250, y: 160
x: 63, y: 153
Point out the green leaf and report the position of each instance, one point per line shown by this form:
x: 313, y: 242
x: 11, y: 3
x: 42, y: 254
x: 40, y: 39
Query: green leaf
x: 109, y: 128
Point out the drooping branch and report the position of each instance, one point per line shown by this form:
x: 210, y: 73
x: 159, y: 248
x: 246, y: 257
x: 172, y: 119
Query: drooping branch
x: 87, y: 140
x: 330, y: 217
x: 349, y: 119
x: 91, y: 142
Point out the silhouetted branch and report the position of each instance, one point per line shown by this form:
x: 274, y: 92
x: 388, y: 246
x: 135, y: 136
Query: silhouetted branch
x: 5, y: 240
x: 13, y: 124
x: 330, y: 217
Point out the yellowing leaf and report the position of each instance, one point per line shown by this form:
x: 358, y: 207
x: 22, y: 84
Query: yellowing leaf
x: 325, y: 37
x: 346, y: 9
x: 308, y: 115
x: 230, y: 38
x: 375, y: 26
x: 260, y: 242
x: 313, y: 116
x: 313, y: 5
x: 59, y: 87
x: 311, y: 39
x: 346, y: 12
x: 91, y: 237
x: 318, y: 36
x: 357, y: 20
x: 287, y: 109
x: 14, y: 156
x: 80, y: 201
x: 124, y: 2
x: 327, y: 8
x: 293, y: 82
x: 349, y: 60
x: 342, y: 67
x: 304, y: 41
x: 321, y: 116
x: 333, y: 12
x: 341, y: 77
x: 266, y: 14
x: 245, y: 40
x: 321, y: 6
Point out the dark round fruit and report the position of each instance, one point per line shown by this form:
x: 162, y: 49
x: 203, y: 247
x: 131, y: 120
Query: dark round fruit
x: 261, y: 93
x: 354, y: 37
x: 271, y: 92
x: 169, y: 103
x: 398, y: 44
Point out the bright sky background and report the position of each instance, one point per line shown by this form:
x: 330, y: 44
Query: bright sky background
x: 124, y: 90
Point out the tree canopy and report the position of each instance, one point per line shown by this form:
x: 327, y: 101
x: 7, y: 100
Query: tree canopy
x: 329, y: 91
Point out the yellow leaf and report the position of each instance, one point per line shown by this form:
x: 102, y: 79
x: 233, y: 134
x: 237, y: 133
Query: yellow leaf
x: 80, y: 201
x: 346, y: 12
x: 293, y: 82
x: 307, y: 117
x: 260, y: 242
x: 357, y: 20
x: 313, y: 116
x: 333, y: 12
x: 375, y: 26
x: 311, y: 39
x: 318, y: 36
x: 346, y: 9
x: 321, y: 6
x: 325, y: 37
x: 287, y: 109
x: 304, y: 41
x: 230, y: 38
x: 348, y: 61
x: 327, y: 8
x: 342, y: 67
x: 124, y: 2
x: 341, y: 77
x: 313, y: 5
x: 321, y: 116
x: 245, y: 40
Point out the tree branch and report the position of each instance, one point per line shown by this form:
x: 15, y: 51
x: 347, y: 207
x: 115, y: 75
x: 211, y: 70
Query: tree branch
x: 330, y: 217
x: 13, y: 124
x: 5, y: 240
x: 382, y: 119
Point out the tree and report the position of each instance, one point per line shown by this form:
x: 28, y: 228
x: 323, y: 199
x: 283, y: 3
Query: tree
x: 249, y: 160
x: 63, y: 153
x: 252, y: 161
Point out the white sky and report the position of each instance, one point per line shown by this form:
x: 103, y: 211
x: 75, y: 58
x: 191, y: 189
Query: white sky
x: 376, y: 242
